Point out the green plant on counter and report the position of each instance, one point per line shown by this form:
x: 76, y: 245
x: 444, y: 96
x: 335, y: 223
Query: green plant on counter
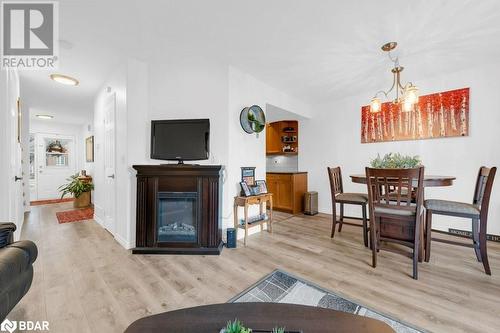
x: 396, y: 161
x: 75, y: 186
x: 236, y: 327
x: 278, y: 330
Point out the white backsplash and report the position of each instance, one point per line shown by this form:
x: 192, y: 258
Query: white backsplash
x: 280, y: 163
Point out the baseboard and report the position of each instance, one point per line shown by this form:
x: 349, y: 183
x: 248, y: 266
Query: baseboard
x: 123, y: 242
x: 98, y: 215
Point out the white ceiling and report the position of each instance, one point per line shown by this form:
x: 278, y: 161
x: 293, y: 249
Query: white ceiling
x: 317, y: 50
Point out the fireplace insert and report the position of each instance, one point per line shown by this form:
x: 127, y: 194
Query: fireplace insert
x: 177, y: 218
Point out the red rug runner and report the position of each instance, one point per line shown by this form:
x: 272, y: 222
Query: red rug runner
x: 47, y: 202
x: 75, y: 215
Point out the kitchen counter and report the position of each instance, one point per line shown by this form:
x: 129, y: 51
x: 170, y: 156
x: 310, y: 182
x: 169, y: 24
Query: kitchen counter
x: 287, y: 172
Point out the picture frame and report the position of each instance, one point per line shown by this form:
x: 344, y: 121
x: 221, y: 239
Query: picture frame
x: 262, y: 186
x: 248, y: 175
x: 89, y: 149
x: 245, y: 189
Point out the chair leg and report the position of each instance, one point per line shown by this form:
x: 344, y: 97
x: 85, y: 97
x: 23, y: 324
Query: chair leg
x: 365, y: 225
x: 428, y: 234
x: 334, y: 218
x: 373, y: 242
x: 482, y: 247
x: 416, y: 247
x: 341, y: 216
x: 475, y: 239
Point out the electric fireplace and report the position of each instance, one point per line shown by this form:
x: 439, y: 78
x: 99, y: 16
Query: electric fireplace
x: 178, y: 209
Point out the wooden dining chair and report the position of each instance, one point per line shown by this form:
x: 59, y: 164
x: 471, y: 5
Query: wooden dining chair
x: 338, y: 196
x: 393, y: 216
x: 477, y: 212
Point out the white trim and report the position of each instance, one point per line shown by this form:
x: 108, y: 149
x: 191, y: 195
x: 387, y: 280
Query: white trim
x: 127, y: 245
x: 98, y: 211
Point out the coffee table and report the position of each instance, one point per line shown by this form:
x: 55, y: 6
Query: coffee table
x: 211, y: 318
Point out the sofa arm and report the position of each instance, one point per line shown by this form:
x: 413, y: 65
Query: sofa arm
x: 29, y: 249
x: 6, y: 233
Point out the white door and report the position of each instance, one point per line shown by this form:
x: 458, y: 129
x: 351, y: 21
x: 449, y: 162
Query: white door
x: 12, y: 207
x: 56, y: 163
x: 109, y: 163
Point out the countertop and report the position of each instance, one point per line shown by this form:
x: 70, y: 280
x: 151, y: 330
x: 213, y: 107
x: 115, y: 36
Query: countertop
x: 287, y: 172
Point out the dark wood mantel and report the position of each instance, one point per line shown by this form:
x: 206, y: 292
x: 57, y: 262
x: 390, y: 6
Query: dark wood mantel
x: 204, y: 181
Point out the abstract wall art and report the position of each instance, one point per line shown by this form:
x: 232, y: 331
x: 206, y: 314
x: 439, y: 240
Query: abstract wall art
x: 439, y: 115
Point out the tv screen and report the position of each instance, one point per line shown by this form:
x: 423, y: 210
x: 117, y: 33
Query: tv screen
x: 181, y: 140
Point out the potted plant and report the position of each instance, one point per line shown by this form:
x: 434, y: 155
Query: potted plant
x: 237, y: 327
x: 80, y: 188
x: 396, y: 161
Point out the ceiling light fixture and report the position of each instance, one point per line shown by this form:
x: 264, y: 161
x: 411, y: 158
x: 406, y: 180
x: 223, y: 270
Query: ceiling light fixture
x: 64, y: 79
x: 44, y: 116
x: 406, y: 96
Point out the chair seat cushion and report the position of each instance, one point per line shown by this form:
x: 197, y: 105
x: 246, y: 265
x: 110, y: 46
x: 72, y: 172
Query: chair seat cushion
x: 394, y: 211
x: 452, y: 207
x: 352, y: 197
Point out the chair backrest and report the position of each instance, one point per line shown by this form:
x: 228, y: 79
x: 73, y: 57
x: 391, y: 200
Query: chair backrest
x: 395, y: 188
x: 335, y: 176
x: 484, y: 184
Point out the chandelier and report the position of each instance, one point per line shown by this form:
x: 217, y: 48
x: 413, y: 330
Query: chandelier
x: 406, y: 95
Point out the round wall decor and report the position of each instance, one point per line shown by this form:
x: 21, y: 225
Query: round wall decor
x: 252, y: 119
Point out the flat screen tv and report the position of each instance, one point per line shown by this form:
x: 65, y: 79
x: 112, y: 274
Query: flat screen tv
x: 180, y: 140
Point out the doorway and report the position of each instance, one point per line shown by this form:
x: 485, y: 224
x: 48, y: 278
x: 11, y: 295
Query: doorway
x: 51, y: 163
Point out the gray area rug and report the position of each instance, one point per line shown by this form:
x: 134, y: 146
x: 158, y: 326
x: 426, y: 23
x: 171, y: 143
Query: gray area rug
x: 282, y: 287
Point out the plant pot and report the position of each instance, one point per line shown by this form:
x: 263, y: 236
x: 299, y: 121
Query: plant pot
x: 82, y: 201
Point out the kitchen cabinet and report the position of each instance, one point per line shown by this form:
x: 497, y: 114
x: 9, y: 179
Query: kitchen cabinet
x: 288, y: 189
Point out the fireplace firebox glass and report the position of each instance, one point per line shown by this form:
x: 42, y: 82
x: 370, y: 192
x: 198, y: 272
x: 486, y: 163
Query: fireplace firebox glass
x: 177, y: 217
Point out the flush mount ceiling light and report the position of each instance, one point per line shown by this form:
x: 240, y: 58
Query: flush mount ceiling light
x: 44, y: 116
x: 406, y: 95
x: 64, y: 79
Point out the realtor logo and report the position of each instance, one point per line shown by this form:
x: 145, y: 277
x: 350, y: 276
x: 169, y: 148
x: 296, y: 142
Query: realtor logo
x: 29, y: 35
x: 24, y: 325
x: 8, y: 326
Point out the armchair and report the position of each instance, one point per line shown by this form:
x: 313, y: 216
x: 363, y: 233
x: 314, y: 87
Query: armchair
x: 16, y: 268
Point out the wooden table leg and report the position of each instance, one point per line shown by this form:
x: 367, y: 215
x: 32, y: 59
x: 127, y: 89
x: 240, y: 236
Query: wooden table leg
x: 261, y: 212
x: 246, y: 224
x: 270, y: 217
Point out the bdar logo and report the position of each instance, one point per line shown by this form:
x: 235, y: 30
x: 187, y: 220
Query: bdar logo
x: 8, y: 326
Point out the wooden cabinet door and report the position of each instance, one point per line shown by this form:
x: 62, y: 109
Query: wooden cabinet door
x: 285, y: 193
x: 272, y: 187
x: 273, y: 140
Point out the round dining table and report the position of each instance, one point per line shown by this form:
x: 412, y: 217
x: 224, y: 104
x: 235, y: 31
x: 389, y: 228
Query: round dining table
x: 429, y: 180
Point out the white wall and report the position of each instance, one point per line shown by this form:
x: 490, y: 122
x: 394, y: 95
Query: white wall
x: 129, y: 83
x: 332, y: 137
x: 249, y: 150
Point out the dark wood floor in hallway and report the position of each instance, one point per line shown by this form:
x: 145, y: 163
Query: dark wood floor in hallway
x: 86, y: 282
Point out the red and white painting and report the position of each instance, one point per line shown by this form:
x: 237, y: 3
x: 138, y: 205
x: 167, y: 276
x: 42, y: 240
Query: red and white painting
x: 438, y: 115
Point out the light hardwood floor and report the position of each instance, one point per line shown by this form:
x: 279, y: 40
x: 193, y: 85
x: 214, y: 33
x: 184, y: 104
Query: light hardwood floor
x: 86, y: 282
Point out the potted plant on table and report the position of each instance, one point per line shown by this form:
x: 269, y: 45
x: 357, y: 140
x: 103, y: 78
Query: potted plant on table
x: 396, y: 161
x: 237, y: 327
x: 80, y: 187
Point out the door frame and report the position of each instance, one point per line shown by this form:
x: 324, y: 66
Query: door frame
x: 109, y: 220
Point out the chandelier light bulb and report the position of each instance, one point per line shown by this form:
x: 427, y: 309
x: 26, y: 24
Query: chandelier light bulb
x: 375, y: 105
x: 407, y: 106
x: 412, y: 95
